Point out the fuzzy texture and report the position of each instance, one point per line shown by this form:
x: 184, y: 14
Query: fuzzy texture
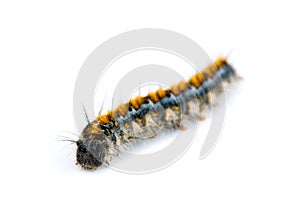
x: 143, y: 117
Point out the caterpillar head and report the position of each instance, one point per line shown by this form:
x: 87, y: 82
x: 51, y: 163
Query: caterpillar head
x: 91, y: 151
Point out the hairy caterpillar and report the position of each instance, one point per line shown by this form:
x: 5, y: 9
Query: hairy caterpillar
x: 142, y: 117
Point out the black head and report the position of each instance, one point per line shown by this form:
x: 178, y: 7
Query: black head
x: 91, y: 151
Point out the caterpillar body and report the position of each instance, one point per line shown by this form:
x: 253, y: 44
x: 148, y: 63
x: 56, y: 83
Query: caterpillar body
x: 142, y: 117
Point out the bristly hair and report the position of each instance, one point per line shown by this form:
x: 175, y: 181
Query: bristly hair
x: 85, y: 114
x: 66, y: 139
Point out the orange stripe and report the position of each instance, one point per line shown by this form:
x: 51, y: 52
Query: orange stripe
x: 220, y: 61
x: 200, y: 77
x: 194, y: 81
x: 103, y: 119
x: 139, y: 100
x: 134, y: 103
x: 122, y: 109
x: 161, y: 93
x: 182, y: 85
x: 152, y: 96
x: 175, y: 90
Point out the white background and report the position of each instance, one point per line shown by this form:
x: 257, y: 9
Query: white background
x: 43, y: 45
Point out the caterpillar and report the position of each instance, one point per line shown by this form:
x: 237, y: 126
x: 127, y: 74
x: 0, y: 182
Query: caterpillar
x: 142, y: 117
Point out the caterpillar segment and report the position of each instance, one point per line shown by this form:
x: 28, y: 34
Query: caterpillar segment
x: 144, y: 117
